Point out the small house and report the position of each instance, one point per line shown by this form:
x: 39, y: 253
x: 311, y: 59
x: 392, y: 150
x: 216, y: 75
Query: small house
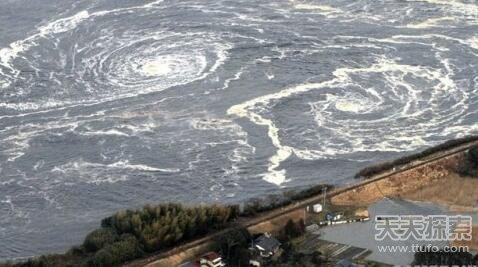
x: 211, y: 259
x: 266, y: 245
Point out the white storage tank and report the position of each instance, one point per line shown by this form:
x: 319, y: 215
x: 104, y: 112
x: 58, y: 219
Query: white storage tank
x: 317, y: 208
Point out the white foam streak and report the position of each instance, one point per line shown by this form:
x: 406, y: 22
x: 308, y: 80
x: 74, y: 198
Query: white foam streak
x: 125, y: 164
x: 473, y: 42
x: 332, y: 12
x: 109, y: 132
x: 283, y: 152
x: 64, y: 24
x: 429, y: 23
x: 323, y: 8
x: 231, y: 134
x: 96, y: 173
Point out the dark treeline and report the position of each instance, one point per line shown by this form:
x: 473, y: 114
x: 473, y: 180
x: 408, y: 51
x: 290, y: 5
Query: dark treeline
x: 233, y: 245
x: 469, y: 166
x: 163, y: 226
x: 131, y: 234
x: 442, y: 258
x: 385, y: 166
x: 473, y: 155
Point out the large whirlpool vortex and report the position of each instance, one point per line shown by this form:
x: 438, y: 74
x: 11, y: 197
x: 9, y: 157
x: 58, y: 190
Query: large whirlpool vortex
x: 103, y: 60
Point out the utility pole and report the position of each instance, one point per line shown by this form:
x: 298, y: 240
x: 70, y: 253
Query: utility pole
x: 325, y: 194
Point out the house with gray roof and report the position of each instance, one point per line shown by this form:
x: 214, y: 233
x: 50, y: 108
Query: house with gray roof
x: 266, y: 245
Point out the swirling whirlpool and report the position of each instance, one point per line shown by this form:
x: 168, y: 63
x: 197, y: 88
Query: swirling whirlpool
x: 386, y: 106
x: 393, y: 110
x: 156, y: 63
x: 105, y: 61
x: 106, y: 105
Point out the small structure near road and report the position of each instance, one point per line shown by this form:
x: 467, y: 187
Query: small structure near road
x: 316, y: 208
x: 331, y: 216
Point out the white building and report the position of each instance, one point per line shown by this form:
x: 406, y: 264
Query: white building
x: 316, y: 208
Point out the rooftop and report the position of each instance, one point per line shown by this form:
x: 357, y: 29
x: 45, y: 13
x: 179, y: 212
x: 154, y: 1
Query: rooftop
x: 211, y: 256
x: 267, y: 242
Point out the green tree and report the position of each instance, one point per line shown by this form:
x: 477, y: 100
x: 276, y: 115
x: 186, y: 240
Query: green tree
x: 473, y: 155
x: 232, y: 243
x: 292, y: 229
x: 99, y: 238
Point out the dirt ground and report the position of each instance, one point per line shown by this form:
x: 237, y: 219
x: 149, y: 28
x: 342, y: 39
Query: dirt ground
x: 473, y: 244
x: 436, y: 182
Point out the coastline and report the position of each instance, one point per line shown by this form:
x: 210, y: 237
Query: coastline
x: 390, y: 184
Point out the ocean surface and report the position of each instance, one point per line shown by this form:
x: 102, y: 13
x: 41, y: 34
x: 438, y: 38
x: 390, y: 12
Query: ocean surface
x: 111, y: 104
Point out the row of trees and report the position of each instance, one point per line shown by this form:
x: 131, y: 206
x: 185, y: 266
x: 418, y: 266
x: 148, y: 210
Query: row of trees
x: 163, y: 226
x: 153, y: 228
x: 468, y: 167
